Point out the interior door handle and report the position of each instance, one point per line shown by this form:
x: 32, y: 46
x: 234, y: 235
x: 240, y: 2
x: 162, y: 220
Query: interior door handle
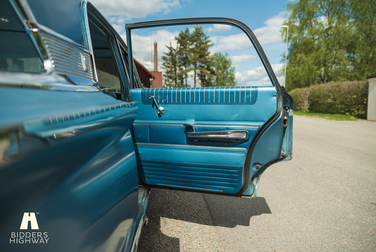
x: 219, y: 136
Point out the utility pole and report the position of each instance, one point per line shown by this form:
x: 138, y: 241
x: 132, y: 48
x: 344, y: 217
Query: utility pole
x: 287, y: 42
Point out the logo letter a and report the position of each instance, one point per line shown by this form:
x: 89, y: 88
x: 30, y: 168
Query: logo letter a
x: 25, y: 221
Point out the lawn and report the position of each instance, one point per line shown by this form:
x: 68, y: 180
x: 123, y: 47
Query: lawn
x: 337, y: 117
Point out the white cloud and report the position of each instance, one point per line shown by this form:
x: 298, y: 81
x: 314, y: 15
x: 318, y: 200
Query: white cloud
x: 242, y: 58
x: 233, y: 42
x: 120, y: 29
x: 277, y: 70
x: 258, y: 76
x: 143, y: 47
x: 271, y: 32
x: 135, y: 8
x: 219, y: 28
x: 254, y: 77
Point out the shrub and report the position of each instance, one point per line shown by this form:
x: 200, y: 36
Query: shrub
x: 348, y: 98
x: 300, y: 97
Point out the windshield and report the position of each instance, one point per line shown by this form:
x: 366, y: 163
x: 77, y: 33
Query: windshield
x: 17, y: 51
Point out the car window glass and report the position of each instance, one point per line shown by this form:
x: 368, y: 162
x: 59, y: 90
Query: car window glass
x: 17, y: 51
x: 136, y: 78
x: 213, y: 55
x: 108, y: 77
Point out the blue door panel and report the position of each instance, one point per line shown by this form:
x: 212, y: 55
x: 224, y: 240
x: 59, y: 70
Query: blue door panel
x: 236, y: 113
x: 167, y: 158
x: 185, y: 154
x: 175, y: 134
x: 191, y: 175
x: 168, y: 135
x: 190, y: 166
x: 218, y: 95
x: 267, y: 150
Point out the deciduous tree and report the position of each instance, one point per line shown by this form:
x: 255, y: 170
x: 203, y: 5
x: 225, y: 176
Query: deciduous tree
x: 330, y: 40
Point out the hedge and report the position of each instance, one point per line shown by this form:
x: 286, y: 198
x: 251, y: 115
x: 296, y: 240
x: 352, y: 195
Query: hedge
x: 348, y: 98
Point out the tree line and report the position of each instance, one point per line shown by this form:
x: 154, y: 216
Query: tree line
x: 191, y: 55
x: 330, y: 40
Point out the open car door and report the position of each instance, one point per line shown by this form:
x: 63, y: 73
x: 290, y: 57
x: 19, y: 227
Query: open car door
x: 209, y: 138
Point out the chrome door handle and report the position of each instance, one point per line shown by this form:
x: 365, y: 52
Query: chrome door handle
x: 160, y: 110
x: 238, y: 136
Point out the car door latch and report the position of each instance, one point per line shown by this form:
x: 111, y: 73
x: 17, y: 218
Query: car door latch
x: 285, y: 116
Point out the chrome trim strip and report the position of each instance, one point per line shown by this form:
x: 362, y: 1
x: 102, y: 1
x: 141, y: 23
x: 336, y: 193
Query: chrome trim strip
x: 234, y: 95
x: 245, y: 95
x: 85, y: 26
x: 62, y: 37
x: 240, y: 95
x: 196, y: 125
x: 192, y: 146
x: 26, y: 8
x: 214, y: 94
x: 138, y: 233
x: 250, y: 95
x: 204, y: 94
x: 41, y: 81
x: 222, y: 136
x: 219, y: 94
x: 224, y: 95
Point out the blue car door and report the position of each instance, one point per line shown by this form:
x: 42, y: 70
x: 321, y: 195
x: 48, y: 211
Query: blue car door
x: 211, y: 139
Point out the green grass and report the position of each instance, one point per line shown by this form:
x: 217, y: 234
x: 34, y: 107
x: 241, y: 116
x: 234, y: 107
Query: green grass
x: 337, y: 117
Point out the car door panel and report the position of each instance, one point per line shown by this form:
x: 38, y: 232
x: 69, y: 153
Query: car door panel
x: 169, y: 158
x: 212, y: 139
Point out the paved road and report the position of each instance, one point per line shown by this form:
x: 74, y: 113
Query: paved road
x: 322, y: 200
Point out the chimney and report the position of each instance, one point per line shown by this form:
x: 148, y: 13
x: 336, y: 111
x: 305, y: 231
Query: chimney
x: 155, y: 57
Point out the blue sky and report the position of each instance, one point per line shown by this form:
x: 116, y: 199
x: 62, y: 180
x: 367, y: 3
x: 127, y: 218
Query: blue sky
x: 263, y: 17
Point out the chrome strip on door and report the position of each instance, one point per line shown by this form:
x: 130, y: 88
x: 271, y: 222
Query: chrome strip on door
x: 192, y: 146
x: 196, y: 125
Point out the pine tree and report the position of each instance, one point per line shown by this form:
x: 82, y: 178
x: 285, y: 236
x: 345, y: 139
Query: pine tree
x: 184, y: 56
x: 170, y: 66
x: 192, y: 55
x: 200, y: 55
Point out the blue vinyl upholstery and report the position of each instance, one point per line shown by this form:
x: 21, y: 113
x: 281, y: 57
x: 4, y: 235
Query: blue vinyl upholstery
x: 166, y: 158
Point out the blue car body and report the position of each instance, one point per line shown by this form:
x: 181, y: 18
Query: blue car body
x: 78, y: 156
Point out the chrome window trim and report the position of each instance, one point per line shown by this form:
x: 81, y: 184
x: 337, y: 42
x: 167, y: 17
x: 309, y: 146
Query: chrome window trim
x: 35, y: 32
x: 87, y: 36
x: 42, y: 81
x: 85, y: 25
x: 26, y: 16
x: 62, y: 37
x: 192, y: 146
